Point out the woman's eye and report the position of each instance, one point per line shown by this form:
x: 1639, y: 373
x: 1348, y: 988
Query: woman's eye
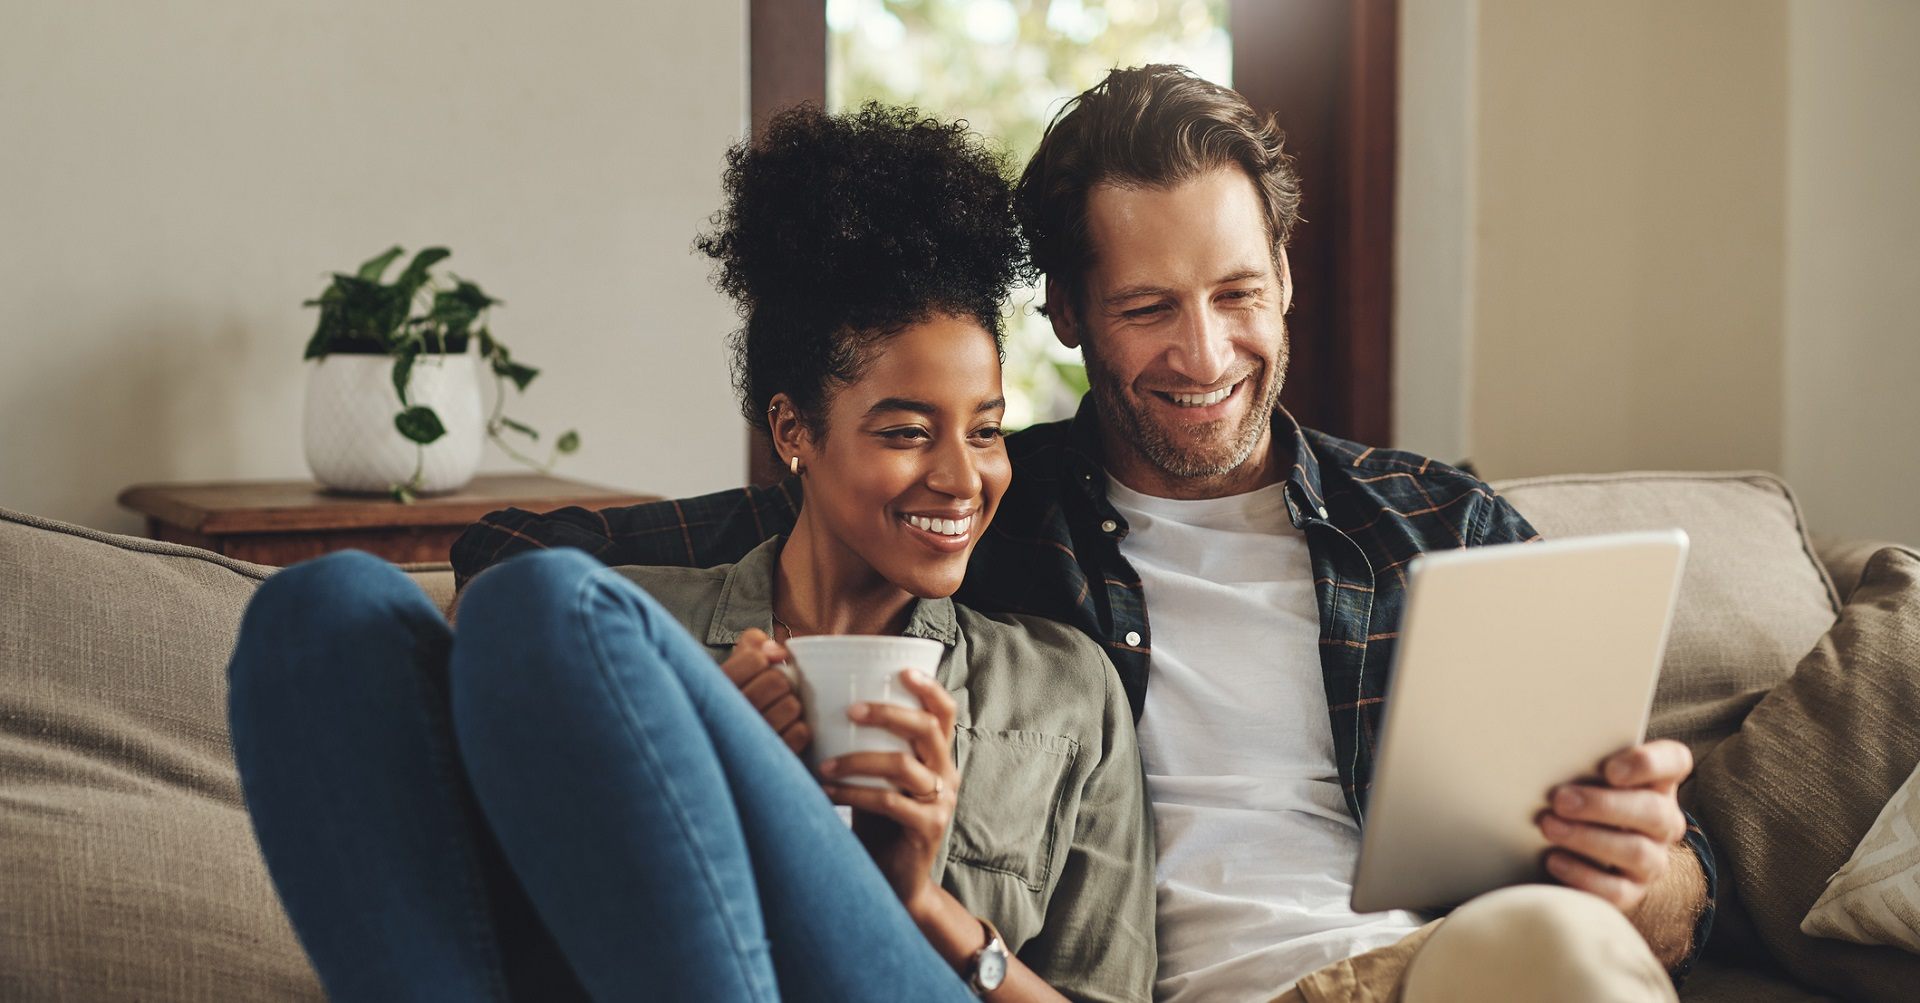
x: 988, y: 434
x: 909, y: 434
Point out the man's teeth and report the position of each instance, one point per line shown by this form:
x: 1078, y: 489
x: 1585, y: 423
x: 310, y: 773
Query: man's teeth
x: 944, y: 527
x: 1202, y: 400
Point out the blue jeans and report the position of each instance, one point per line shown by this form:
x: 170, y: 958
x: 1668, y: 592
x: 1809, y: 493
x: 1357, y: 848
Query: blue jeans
x: 564, y: 798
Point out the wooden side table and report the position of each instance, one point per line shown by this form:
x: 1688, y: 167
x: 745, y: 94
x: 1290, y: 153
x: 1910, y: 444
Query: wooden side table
x: 282, y: 522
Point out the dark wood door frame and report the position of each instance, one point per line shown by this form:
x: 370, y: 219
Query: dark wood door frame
x: 786, y: 65
x: 1329, y: 72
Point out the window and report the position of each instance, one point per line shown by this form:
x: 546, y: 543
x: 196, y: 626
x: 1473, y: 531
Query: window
x: 1007, y: 66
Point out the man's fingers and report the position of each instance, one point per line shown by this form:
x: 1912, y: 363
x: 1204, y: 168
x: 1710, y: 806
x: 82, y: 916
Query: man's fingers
x: 1635, y: 856
x: 1661, y: 765
x: 1647, y: 812
x: 1570, y: 870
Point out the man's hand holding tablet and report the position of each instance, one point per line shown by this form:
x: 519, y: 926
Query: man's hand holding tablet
x: 1512, y: 747
x: 1620, y: 838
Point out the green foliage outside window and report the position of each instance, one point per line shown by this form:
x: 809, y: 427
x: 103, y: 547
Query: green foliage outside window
x: 1007, y: 66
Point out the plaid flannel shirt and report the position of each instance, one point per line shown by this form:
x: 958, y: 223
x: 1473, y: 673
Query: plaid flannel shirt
x: 1053, y: 550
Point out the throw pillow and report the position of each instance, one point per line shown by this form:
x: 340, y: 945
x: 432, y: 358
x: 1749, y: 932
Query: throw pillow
x: 1788, y: 797
x: 1875, y: 899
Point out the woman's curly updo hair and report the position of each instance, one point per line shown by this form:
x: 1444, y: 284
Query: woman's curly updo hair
x: 841, y: 230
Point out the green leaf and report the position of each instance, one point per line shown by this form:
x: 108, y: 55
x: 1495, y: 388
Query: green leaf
x: 420, y: 424
x: 487, y: 344
x: 518, y: 427
x: 519, y: 374
x: 403, y: 370
x: 415, y: 276
x: 568, y: 442
x: 375, y: 267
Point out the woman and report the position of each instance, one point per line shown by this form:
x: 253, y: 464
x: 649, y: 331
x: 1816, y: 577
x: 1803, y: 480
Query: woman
x: 565, y: 797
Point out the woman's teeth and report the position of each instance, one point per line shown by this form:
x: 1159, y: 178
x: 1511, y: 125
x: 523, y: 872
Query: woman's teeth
x: 944, y: 527
x: 1202, y: 400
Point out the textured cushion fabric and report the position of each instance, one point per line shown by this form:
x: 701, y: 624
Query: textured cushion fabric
x: 130, y: 868
x: 436, y: 580
x: 1875, y: 899
x: 1753, y: 598
x: 1715, y: 982
x: 1789, y: 797
x: 1845, y: 558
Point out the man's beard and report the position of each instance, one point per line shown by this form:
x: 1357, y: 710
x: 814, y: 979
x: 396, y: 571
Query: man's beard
x: 1212, y: 457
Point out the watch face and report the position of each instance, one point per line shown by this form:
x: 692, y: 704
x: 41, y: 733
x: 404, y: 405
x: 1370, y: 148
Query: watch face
x: 993, y: 966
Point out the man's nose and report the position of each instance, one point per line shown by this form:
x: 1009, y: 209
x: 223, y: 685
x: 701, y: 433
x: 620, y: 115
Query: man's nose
x: 1202, y: 351
x: 954, y: 472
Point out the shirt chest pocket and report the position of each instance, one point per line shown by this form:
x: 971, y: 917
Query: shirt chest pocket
x: 1014, y: 800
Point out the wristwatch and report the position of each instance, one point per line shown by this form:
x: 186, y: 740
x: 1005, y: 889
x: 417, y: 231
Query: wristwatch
x: 989, y: 964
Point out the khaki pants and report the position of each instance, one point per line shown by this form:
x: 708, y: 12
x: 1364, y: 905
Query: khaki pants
x: 1526, y: 944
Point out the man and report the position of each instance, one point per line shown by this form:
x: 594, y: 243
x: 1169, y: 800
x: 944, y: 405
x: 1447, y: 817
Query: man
x: 1272, y: 558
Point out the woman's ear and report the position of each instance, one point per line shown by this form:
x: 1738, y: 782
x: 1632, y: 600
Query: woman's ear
x: 1060, y: 314
x: 789, y: 432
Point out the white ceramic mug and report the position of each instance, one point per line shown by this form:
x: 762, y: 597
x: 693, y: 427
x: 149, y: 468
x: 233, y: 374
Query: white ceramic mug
x: 834, y: 671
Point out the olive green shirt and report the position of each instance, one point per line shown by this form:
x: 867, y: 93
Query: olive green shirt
x: 1051, y: 838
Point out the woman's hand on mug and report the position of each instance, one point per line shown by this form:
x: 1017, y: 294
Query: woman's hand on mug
x: 923, y: 786
x: 754, y: 666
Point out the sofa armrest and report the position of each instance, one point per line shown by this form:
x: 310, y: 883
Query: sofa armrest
x: 1846, y: 557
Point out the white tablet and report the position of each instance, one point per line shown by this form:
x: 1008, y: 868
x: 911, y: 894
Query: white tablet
x: 1520, y: 667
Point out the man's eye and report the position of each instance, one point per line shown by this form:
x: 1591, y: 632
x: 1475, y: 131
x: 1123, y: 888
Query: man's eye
x: 1144, y: 311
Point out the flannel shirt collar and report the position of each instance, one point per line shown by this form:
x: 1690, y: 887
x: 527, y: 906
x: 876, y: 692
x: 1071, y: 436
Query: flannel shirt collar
x: 746, y: 602
x: 1305, y: 496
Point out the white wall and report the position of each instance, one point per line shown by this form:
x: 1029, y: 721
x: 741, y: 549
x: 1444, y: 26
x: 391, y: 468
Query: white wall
x: 1435, y: 215
x: 1853, y: 273
x: 176, y: 178
x: 1654, y: 235
x: 1629, y: 236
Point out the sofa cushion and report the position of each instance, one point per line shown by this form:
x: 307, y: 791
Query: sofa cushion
x: 132, y: 871
x: 1789, y: 796
x: 1753, y: 598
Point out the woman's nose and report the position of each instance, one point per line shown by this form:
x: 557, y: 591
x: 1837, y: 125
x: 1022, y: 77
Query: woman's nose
x: 954, y: 472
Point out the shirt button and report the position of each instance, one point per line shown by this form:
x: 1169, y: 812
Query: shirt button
x: 1108, y: 527
x: 1322, y: 510
x: 1133, y: 638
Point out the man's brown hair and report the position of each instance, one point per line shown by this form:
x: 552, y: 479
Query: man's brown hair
x: 1148, y: 126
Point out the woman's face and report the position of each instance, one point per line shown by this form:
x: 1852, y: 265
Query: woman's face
x: 912, y: 466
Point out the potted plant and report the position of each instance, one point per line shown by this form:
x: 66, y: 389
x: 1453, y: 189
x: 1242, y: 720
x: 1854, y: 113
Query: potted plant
x: 393, y: 397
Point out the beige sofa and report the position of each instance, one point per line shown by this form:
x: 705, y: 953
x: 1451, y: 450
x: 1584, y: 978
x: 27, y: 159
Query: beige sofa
x: 130, y: 871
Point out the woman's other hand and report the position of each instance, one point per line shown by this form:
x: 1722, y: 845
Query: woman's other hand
x: 924, y: 786
x: 754, y: 667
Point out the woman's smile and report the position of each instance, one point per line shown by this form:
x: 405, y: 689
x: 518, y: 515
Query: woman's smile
x: 945, y: 532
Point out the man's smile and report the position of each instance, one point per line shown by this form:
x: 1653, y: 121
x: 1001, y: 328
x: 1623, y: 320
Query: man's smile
x: 1206, y: 405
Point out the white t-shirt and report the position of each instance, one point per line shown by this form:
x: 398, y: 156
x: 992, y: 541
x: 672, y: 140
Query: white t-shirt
x: 1257, y: 847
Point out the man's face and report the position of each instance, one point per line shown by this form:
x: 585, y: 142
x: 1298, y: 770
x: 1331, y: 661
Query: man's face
x: 1182, y: 324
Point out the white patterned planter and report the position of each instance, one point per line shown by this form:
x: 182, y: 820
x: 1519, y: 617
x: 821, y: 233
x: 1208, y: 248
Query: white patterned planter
x: 351, y: 443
